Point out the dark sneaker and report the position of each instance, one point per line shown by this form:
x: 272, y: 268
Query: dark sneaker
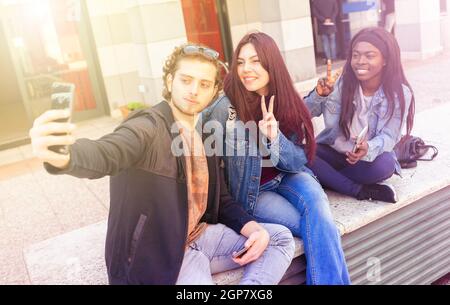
x: 381, y: 192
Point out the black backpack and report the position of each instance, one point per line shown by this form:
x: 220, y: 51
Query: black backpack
x: 411, y: 149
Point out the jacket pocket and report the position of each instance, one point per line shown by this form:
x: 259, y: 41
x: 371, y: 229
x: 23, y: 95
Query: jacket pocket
x: 333, y: 107
x: 136, y: 238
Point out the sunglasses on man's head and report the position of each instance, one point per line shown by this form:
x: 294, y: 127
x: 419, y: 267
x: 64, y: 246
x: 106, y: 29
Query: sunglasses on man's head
x: 192, y: 49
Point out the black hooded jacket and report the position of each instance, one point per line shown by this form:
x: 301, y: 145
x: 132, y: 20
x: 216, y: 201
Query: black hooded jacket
x: 147, y: 224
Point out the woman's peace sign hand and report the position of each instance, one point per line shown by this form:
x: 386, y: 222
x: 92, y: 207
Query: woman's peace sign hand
x: 268, y: 125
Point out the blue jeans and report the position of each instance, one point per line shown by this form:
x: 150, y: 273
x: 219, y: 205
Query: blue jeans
x: 329, y: 45
x: 335, y: 173
x: 212, y: 253
x: 298, y: 202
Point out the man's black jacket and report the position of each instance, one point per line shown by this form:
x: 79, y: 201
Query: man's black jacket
x: 147, y: 224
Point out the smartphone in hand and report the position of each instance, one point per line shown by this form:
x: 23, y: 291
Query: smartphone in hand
x: 240, y: 253
x: 360, y: 138
x: 62, y: 98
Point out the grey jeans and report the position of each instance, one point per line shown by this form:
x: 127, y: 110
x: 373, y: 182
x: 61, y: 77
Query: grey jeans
x: 211, y: 253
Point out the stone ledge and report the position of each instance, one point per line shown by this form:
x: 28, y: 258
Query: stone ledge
x: 425, y: 179
x: 74, y: 258
x: 78, y: 257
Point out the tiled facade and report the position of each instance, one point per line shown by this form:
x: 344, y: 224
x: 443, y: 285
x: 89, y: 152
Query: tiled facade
x: 445, y: 28
x: 133, y: 37
x: 360, y: 20
x: 287, y: 21
x: 422, y: 30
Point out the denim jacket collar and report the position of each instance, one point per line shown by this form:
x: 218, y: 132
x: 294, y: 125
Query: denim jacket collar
x: 378, y: 97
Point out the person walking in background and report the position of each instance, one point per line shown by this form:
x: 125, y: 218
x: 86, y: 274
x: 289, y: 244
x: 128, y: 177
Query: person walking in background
x: 388, y: 8
x: 326, y: 12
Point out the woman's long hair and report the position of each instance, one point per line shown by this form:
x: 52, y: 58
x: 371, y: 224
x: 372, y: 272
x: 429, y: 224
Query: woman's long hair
x: 289, y: 110
x: 392, y: 80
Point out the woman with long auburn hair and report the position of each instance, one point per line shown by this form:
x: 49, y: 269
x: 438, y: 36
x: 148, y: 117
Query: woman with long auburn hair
x: 372, y: 95
x: 266, y: 172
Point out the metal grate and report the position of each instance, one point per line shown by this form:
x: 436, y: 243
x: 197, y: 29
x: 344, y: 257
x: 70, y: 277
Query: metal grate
x: 408, y: 246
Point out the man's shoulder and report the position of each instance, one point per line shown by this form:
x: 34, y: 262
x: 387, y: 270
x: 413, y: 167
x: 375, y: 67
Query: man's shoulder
x: 144, y: 120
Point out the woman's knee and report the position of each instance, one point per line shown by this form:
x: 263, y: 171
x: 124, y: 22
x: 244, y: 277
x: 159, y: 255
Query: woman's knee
x: 273, y: 208
x: 383, y: 167
x: 306, y: 187
x: 386, y: 159
x: 318, y: 205
x: 311, y: 197
x: 280, y: 236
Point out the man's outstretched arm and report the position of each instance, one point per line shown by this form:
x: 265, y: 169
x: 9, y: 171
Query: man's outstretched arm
x: 87, y: 158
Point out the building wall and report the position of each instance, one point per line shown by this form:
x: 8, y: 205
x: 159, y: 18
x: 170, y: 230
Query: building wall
x: 287, y: 21
x: 418, y: 28
x: 133, y: 38
x: 445, y: 28
x: 360, y: 20
x: 244, y: 16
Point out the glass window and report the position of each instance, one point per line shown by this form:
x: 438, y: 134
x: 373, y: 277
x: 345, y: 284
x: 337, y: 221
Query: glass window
x: 202, y: 23
x: 45, y: 40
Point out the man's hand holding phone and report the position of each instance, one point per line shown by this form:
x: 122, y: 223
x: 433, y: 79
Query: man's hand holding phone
x: 52, y: 131
x: 256, y: 244
x: 240, y: 253
x: 42, y: 137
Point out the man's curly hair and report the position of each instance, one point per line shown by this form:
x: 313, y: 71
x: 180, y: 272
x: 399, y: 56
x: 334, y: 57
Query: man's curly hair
x: 171, y: 66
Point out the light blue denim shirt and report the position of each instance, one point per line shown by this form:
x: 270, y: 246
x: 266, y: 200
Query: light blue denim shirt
x: 383, y: 133
x: 243, y: 168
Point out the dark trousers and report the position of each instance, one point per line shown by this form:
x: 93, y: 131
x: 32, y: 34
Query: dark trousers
x: 335, y: 173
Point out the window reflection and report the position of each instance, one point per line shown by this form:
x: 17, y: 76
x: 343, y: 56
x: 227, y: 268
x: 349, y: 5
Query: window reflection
x: 45, y: 39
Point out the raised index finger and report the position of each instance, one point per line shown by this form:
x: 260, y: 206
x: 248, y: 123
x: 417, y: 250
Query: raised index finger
x: 263, y: 106
x: 329, y: 77
x: 272, y: 100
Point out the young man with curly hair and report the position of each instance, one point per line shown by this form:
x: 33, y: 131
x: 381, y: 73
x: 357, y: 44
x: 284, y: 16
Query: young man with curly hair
x: 171, y: 219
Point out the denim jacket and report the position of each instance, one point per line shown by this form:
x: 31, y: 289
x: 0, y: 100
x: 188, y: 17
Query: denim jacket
x: 243, y: 168
x: 383, y: 133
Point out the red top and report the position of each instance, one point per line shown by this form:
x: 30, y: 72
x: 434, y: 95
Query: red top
x: 268, y: 173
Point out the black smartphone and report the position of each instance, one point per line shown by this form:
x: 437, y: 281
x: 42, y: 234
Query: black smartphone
x: 62, y: 98
x: 240, y: 253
